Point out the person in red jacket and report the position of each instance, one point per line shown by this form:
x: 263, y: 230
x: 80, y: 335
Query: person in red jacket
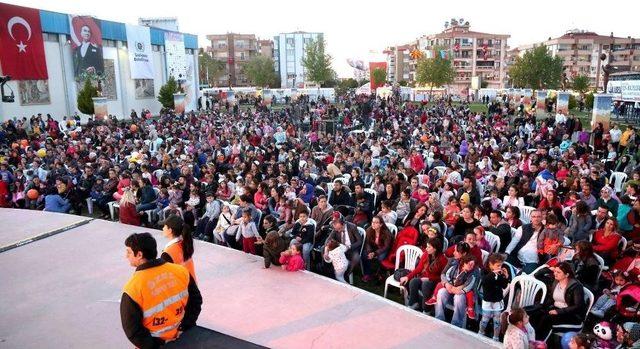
x: 605, y: 241
x: 127, y: 211
x: 426, y: 275
x: 476, y: 251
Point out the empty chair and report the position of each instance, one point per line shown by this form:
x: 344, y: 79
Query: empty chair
x: 411, y: 254
x: 529, y: 288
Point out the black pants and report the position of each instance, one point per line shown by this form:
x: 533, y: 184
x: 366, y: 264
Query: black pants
x: 543, y: 322
x: 415, y: 286
x: 205, y: 227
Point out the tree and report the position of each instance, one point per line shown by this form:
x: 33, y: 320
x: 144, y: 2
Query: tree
x: 537, y: 69
x: 210, y: 69
x: 403, y: 83
x: 345, y: 85
x: 435, y: 72
x: 573, y: 103
x: 317, y: 63
x: 588, y: 100
x: 581, y: 84
x: 379, y: 76
x: 85, y: 97
x: 259, y: 70
x: 165, y: 97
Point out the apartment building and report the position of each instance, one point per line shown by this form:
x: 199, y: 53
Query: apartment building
x: 400, y: 64
x: 235, y: 49
x: 288, y: 52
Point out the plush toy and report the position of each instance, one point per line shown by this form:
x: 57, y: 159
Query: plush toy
x: 604, y: 335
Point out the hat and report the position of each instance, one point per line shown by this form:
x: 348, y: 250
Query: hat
x: 465, y: 197
x: 633, y: 328
x: 337, y: 217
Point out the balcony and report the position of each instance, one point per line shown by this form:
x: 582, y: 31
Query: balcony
x: 462, y: 79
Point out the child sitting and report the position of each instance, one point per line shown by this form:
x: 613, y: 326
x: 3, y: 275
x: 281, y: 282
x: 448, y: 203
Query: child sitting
x: 247, y: 230
x: 460, y: 275
x: 496, y: 203
x: 608, y: 298
x: 494, y: 281
x: 161, y: 202
x: 550, y: 239
x: 480, y: 239
x: 334, y: 254
x: 291, y: 259
x: 387, y: 214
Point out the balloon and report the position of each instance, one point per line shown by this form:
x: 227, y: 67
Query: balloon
x: 566, y: 338
x: 32, y: 194
x: 41, y: 152
x: 133, y: 128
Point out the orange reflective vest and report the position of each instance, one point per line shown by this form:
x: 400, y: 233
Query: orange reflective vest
x: 162, y: 293
x: 175, y: 251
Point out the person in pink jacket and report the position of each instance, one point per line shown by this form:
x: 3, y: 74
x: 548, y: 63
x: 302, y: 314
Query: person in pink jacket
x: 291, y: 259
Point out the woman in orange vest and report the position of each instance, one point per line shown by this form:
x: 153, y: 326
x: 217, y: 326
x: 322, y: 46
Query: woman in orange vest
x: 179, y: 249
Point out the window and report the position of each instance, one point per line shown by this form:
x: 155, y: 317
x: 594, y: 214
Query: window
x: 240, y: 43
x: 50, y: 37
x: 290, y: 41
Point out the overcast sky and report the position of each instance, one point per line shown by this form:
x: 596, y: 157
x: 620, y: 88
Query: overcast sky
x: 355, y: 29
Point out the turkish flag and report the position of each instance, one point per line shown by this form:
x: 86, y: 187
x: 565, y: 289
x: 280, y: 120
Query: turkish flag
x: 22, y: 54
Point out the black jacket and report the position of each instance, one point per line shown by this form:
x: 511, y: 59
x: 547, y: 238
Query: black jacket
x: 573, y: 296
x: 131, y: 313
x: 340, y: 199
x: 503, y: 231
x: 493, y: 285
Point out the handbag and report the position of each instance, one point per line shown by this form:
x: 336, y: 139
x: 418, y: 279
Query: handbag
x: 400, y: 273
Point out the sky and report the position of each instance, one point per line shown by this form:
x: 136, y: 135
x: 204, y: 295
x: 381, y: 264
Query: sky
x: 362, y: 29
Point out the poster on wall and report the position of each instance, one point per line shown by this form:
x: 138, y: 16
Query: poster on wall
x: 562, y: 105
x: 140, y: 52
x: 145, y: 88
x: 34, y: 92
x: 108, y: 82
x: 188, y: 86
x: 176, y: 56
x: 86, y: 46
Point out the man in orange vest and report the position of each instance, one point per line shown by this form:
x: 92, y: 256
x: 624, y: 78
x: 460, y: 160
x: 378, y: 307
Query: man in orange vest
x: 160, y: 300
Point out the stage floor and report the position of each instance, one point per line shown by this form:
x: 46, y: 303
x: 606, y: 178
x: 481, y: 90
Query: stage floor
x: 65, y: 289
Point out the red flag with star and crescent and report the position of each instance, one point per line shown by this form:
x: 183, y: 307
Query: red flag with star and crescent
x: 21, y: 43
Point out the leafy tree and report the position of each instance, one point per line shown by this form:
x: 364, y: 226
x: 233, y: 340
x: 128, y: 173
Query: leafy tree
x: 588, y: 100
x: 210, y: 68
x: 259, y: 69
x: 435, y: 72
x: 573, y: 103
x: 581, y: 84
x: 345, y: 85
x: 403, y: 83
x: 537, y: 69
x: 379, y: 76
x: 85, y: 101
x: 317, y: 63
x: 165, y: 97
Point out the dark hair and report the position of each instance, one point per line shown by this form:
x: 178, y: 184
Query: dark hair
x: 437, y: 244
x: 516, y: 315
x: 246, y: 198
x: 497, y: 212
x: 567, y: 269
x: 272, y: 220
x: 586, y: 249
x: 582, y: 208
x: 515, y: 210
x: 584, y: 340
x: 463, y: 247
x: 180, y: 228
x: 142, y: 242
x: 551, y: 218
x: 467, y: 258
x: 495, y: 258
x: 297, y: 246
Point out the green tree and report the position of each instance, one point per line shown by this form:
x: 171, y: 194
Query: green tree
x: 588, y: 100
x: 317, y: 63
x: 260, y: 71
x: 435, y: 72
x: 165, y: 97
x: 537, y: 69
x: 209, y: 68
x: 379, y: 76
x: 403, y: 83
x: 573, y: 103
x: 345, y: 85
x: 85, y: 101
x: 581, y: 84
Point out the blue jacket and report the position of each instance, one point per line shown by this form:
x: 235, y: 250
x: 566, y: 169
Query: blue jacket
x: 55, y: 203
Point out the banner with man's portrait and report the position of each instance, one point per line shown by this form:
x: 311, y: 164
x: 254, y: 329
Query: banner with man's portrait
x: 33, y: 92
x: 86, y: 46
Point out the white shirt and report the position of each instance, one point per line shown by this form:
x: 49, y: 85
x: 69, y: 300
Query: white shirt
x: 529, y: 252
x: 83, y: 48
x: 615, y: 135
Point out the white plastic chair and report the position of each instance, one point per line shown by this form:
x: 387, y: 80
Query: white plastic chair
x: 617, y: 180
x: 411, y: 255
x: 363, y: 233
x: 112, y: 208
x: 561, y: 329
x: 343, y: 180
x: 441, y: 170
x: 493, y: 240
x: 602, y: 265
x: 374, y: 193
x: 525, y: 213
x: 158, y: 174
x: 529, y: 289
x: 485, y: 257
x: 622, y: 244
x: 567, y: 242
x: 393, y: 229
x: 313, y: 176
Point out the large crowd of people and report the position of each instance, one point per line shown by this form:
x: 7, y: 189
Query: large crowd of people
x: 496, y: 201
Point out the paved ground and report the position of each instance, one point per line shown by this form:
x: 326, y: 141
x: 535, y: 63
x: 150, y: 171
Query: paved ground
x: 65, y: 289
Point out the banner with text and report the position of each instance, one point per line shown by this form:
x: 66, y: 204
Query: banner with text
x: 176, y: 57
x: 626, y: 90
x: 140, y: 52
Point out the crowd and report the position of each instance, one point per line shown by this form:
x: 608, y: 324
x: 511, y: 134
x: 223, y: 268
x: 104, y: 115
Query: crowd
x: 490, y: 202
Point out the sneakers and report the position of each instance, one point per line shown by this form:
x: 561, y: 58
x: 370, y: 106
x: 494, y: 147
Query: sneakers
x: 471, y: 313
x: 431, y: 301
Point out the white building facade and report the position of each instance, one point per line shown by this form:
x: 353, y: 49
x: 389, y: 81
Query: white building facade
x: 288, y: 51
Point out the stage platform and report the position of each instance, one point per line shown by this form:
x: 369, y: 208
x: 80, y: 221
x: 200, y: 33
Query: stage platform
x: 63, y: 291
